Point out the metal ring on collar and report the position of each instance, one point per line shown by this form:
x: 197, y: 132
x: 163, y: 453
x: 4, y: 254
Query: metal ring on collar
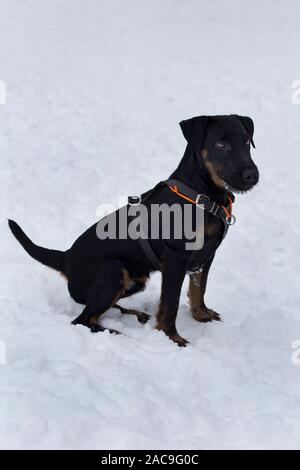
x: 230, y: 220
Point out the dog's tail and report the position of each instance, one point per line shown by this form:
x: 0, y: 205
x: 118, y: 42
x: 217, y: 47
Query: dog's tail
x: 53, y: 258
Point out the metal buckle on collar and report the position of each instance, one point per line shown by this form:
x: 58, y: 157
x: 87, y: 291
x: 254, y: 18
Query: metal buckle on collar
x: 230, y: 220
x: 134, y: 200
x: 214, y: 209
x: 198, y: 198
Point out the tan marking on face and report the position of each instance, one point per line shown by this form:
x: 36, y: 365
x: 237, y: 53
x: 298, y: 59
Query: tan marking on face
x: 217, y: 180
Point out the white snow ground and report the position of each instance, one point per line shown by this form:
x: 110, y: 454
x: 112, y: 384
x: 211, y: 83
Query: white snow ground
x: 95, y: 90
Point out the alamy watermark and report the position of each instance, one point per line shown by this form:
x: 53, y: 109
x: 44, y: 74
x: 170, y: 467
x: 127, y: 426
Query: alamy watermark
x: 2, y: 92
x: 296, y: 354
x: 295, y: 96
x: 154, y: 222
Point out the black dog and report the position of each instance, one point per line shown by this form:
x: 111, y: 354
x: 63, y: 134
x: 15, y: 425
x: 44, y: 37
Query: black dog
x: 216, y: 163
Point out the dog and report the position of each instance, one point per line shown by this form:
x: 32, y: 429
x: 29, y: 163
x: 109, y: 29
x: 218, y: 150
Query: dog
x: 216, y: 164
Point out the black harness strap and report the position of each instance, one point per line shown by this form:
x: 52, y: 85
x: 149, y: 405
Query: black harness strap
x: 150, y: 253
x: 144, y: 242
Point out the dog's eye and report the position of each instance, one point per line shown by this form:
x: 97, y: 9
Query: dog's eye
x: 221, y: 145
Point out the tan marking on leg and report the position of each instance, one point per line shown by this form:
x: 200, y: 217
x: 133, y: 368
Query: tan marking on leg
x: 211, y: 229
x: 196, y: 297
x: 141, y: 316
x: 143, y: 279
x: 126, y: 279
x: 182, y: 342
x: 93, y: 320
x: 116, y: 298
x: 125, y: 282
x: 195, y: 293
x: 160, y: 324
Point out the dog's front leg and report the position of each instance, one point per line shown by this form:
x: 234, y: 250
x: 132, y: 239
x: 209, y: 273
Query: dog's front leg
x: 196, y: 293
x: 173, y: 273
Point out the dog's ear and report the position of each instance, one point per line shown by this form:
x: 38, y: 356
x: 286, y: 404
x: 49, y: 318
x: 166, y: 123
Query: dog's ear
x: 248, y: 125
x: 194, y: 130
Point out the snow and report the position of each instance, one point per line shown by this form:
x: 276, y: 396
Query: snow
x: 95, y: 91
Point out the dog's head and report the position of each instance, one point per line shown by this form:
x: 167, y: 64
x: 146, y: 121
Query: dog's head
x: 222, y: 144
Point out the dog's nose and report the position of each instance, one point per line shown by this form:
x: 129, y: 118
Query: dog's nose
x: 250, y: 175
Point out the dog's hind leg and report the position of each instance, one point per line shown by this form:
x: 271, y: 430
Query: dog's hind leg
x: 103, y: 294
x: 135, y: 286
x: 141, y: 316
x: 138, y: 285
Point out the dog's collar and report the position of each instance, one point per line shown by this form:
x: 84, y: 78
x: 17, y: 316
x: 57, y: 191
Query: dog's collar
x: 203, y: 201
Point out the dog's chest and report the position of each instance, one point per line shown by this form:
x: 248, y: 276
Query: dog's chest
x: 213, y: 236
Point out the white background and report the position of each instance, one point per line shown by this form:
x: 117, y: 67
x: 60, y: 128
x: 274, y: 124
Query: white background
x: 95, y: 91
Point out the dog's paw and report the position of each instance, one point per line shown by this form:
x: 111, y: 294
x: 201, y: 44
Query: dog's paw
x: 206, y: 315
x: 95, y: 328
x: 174, y: 336
x: 182, y: 342
x: 143, y: 317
